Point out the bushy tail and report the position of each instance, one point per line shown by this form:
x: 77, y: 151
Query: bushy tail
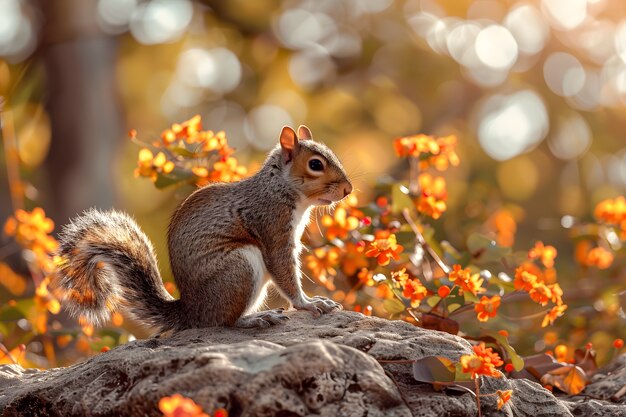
x: 107, y: 262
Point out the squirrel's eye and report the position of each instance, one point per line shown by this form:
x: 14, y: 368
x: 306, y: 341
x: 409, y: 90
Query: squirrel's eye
x: 316, y: 165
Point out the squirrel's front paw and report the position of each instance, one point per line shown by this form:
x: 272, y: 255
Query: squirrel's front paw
x: 319, y: 305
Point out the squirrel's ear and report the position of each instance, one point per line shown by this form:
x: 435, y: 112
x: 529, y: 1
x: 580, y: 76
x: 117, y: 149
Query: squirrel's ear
x: 288, y: 143
x: 304, y: 133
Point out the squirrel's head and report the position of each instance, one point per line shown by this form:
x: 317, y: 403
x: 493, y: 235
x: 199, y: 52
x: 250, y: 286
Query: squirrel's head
x: 313, y: 167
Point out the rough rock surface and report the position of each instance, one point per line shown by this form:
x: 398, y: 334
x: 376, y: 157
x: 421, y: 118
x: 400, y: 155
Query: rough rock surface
x: 326, y: 366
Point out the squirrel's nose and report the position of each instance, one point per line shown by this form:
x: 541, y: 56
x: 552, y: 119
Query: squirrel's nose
x: 347, y: 189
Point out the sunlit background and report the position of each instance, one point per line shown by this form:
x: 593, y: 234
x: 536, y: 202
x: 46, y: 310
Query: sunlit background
x: 535, y: 91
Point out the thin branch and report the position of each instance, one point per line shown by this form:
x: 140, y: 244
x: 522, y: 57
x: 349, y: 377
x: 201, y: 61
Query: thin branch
x: 422, y: 241
x: 9, y: 249
x: 396, y: 361
x: 4, y: 350
x: 480, y: 413
x: 11, y: 157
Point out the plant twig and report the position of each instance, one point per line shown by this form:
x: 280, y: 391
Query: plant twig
x: 6, y: 352
x: 9, y: 249
x: 395, y: 361
x: 422, y: 241
x: 408, y: 310
x: 480, y: 413
x: 11, y: 157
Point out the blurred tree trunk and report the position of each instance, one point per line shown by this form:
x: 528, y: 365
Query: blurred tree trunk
x: 84, y: 107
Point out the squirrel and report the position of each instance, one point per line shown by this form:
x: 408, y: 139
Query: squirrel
x: 222, y: 240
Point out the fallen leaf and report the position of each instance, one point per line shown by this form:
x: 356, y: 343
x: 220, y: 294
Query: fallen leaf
x: 569, y: 378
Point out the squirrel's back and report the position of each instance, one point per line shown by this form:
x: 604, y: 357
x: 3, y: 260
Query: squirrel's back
x: 106, y: 261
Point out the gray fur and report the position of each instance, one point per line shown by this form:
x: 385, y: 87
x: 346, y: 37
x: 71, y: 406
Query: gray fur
x: 212, y: 239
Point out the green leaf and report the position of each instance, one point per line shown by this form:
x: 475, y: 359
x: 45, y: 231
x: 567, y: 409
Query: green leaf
x: 26, y: 306
x: 184, y: 152
x: 486, y: 249
x: 399, y: 199
x: 454, y: 307
x: 11, y: 314
x: 469, y: 297
x: 516, y: 360
x: 174, y: 177
x: 437, y: 369
x: 434, y: 369
x: 432, y: 301
x: 406, y: 239
x: 393, y: 306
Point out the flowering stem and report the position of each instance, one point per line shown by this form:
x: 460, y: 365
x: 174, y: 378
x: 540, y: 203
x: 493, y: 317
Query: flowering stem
x: 11, y: 157
x: 478, y: 397
x: 9, y: 249
x: 422, y: 241
x: 6, y: 352
x: 408, y: 310
x: 503, y: 299
x: 414, y: 185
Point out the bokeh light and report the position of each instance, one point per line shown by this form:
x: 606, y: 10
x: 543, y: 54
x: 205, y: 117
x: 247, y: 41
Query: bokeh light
x: 496, y: 47
x: 512, y: 124
x: 564, y: 74
x: 159, y: 21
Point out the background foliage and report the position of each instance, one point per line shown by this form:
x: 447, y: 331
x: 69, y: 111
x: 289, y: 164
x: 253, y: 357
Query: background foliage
x: 533, y: 91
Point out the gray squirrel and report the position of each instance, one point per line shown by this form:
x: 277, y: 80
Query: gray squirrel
x: 222, y: 240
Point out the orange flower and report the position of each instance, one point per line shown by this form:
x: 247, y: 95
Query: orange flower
x: 600, y: 258
x: 443, y: 291
x: 225, y: 170
x: 366, y: 277
x: 438, y: 152
x: 482, y: 362
x: 31, y: 230
x: 14, y: 356
x: 401, y: 277
x: 557, y: 294
x: 353, y: 258
x: 384, y: 249
x: 525, y: 279
x: 618, y: 343
x: 612, y: 211
x: 414, y: 290
x: 432, y: 202
x: 228, y: 170
x: 186, y: 130
x: 540, y: 293
x: 505, y: 225
x: 45, y: 303
x: 190, y: 133
x: 322, y: 265
x: 179, y: 406
x: 487, y: 307
x: 545, y: 253
x: 12, y: 281
x: 503, y: 397
x: 447, y: 154
x: 430, y: 206
x: 339, y: 224
x: 433, y: 186
x: 466, y: 280
x: 149, y: 165
x: 553, y: 314
x: 415, y: 145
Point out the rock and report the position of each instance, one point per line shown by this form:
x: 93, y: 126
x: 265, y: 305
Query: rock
x: 326, y: 366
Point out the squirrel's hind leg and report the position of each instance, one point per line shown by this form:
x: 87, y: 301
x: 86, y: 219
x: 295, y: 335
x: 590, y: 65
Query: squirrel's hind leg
x: 262, y: 318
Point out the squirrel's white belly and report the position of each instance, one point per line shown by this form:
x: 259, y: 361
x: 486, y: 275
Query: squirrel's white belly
x: 253, y: 256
